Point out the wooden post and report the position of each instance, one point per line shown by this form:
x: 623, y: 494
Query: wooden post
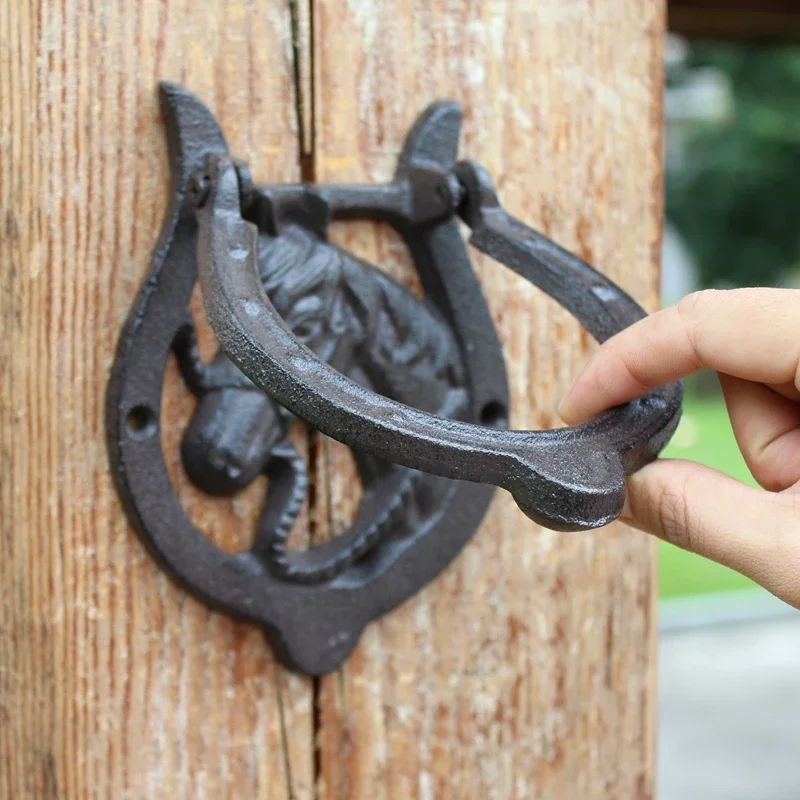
x: 113, y: 682
x: 526, y: 670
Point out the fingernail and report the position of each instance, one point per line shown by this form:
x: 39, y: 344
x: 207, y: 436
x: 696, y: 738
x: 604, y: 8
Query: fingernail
x: 564, y: 407
x: 626, y: 515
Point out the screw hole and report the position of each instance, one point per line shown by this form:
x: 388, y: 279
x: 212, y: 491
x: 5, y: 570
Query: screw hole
x: 141, y: 421
x: 494, y: 415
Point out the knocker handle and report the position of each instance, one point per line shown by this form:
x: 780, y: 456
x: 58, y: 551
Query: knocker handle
x: 309, y: 329
x: 595, y: 301
x: 565, y: 479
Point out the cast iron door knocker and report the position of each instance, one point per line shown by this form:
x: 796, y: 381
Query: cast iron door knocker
x: 416, y: 387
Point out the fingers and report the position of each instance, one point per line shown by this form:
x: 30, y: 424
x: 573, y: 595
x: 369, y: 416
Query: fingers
x: 754, y: 532
x: 749, y: 333
x: 787, y: 390
x: 767, y: 429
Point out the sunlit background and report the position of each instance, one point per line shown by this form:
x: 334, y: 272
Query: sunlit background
x: 730, y: 653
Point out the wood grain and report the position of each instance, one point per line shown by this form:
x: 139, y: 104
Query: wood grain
x: 113, y: 683
x: 527, y: 669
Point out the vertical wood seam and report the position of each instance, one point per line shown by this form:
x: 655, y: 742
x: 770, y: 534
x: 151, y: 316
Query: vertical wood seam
x: 301, y: 22
x: 320, y: 513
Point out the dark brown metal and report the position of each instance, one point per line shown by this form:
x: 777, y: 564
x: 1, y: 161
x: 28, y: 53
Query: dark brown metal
x: 441, y: 354
x: 307, y: 329
x: 569, y: 479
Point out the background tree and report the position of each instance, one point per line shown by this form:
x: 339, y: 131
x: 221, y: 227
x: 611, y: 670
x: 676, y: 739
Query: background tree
x: 736, y: 198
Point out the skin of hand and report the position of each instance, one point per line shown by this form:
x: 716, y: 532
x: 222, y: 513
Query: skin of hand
x: 751, y: 337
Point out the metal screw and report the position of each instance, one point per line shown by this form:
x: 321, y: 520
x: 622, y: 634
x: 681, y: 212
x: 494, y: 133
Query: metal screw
x: 199, y: 188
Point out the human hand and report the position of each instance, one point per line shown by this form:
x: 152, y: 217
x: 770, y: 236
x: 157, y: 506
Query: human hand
x: 751, y: 337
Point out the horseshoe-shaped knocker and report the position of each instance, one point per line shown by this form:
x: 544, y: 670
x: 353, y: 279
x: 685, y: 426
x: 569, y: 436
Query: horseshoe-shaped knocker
x: 416, y: 387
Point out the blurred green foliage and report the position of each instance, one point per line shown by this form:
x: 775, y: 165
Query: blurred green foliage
x: 736, y: 199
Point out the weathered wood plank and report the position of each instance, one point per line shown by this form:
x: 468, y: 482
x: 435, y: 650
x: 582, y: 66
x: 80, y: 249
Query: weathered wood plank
x: 527, y: 669
x: 113, y: 683
x: 524, y: 671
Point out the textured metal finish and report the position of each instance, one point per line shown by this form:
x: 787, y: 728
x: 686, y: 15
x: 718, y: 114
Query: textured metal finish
x: 365, y: 325
x: 441, y: 355
x: 416, y: 388
x: 568, y: 479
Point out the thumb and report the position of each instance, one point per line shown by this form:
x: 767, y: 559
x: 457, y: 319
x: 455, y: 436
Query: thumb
x: 701, y: 510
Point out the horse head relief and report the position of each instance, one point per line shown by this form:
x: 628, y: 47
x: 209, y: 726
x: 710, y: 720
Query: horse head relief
x: 417, y: 388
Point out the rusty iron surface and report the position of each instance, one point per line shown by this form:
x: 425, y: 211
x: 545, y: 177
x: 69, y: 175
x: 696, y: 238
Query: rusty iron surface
x: 417, y: 388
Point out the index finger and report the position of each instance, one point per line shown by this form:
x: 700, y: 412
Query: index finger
x: 752, y: 334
